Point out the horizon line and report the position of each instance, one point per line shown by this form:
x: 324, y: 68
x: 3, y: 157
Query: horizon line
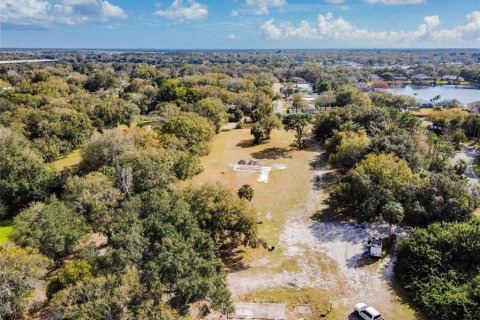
x: 231, y: 49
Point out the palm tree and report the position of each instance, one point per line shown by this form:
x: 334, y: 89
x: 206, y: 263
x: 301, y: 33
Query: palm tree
x: 393, y: 213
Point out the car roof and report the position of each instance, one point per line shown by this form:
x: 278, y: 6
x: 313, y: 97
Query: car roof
x: 372, y: 311
x: 360, y: 305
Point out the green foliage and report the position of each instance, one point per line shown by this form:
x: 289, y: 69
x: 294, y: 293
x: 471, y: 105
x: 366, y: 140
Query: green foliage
x: 373, y: 119
x: 69, y: 275
x: 212, y: 109
x: 23, y: 177
x: 379, y: 179
x: 99, y: 80
x: 174, y: 241
x: 105, y: 112
x: 110, y: 297
x: 226, y: 217
x: 459, y: 137
x: 194, y: 130
x: 258, y: 133
x: 53, y: 132
x: 438, y: 266
x: 299, y: 124
x: 393, y: 213
x: 374, y: 181
x: 95, y: 197
x: 20, y: 272
x: 346, y: 148
x: 246, y: 192
x: 53, y: 228
x: 238, y: 115
x: 346, y: 95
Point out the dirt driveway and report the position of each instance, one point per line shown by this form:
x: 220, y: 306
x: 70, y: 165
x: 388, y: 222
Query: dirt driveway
x: 330, y: 257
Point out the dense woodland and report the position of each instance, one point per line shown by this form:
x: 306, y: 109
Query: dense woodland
x: 142, y: 122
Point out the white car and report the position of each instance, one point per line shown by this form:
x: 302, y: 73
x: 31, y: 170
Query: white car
x: 367, y: 313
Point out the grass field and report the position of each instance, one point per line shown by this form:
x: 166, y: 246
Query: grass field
x: 422, y: 112
x: 285, y: 188
x: 5, y: 229
x: 71, y: 160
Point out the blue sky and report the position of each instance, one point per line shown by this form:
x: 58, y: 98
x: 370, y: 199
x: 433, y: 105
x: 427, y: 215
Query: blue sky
x: 244, y: 24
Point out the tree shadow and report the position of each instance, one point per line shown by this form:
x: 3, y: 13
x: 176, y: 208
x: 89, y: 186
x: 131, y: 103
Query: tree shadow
x: 272, y: 153
x: 232, y: 258
x: 247, y: 143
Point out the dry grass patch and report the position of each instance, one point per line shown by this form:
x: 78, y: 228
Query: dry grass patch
x: 318, y: 301
x: 285, y: 188
x: 69, y: 161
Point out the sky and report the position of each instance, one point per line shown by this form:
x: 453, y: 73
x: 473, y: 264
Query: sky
x: 239, y: 24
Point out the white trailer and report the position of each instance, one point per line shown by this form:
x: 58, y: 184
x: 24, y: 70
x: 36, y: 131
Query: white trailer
x: 375, y: 247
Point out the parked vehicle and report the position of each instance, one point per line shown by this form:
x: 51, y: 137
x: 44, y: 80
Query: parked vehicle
x: 375, y: 245
x: 367, y: 313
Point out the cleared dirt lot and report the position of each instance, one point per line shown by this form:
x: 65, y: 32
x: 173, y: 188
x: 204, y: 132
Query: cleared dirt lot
x: 315, y: 263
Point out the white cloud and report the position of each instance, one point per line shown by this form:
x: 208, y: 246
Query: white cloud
x: 178, y: 11
x: 263, y: 10
x: 271, y: 31
x: 396, y: 1
x: 261, y: 3
x: 330, y: 27
x: 234, y: 13
x: 344, y: 7
x: 43, y: 13
x: 335, y: 1
x: 231, y: 36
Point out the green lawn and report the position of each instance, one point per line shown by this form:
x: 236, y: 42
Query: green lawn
x: 6, y: 227
x: 72, y: 159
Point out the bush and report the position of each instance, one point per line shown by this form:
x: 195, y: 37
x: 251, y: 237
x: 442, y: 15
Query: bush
x: 69, y: 275
x: 438, y: 266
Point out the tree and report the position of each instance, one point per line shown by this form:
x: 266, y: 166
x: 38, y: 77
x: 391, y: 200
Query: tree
x: 111, y: 297
x: 95, y: 197
x: 69, y: 275
x: 21, y: 271
x: 299, y: 123
x: 174, y: 240
x: 212, y: 109
x: 258, y: 133
x: 196, y: 131
x: 105, y: 112
x: 100, y: 80
x: 53, y: 228
x: 459, y: 137
x: 346, y: 148
x: 347, y: 95
x: 461, y: 167
x: 438, y: 268
x: 392, y: 213
x: 325, y: 100
x: 375, y: 181
x: 54, y: 132
x: 246, y: 192
x: 226, y: 217
x: 23, y: 177
x: 238, y: 115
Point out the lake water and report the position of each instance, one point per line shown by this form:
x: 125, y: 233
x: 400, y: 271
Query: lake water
x: 464, y: 94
